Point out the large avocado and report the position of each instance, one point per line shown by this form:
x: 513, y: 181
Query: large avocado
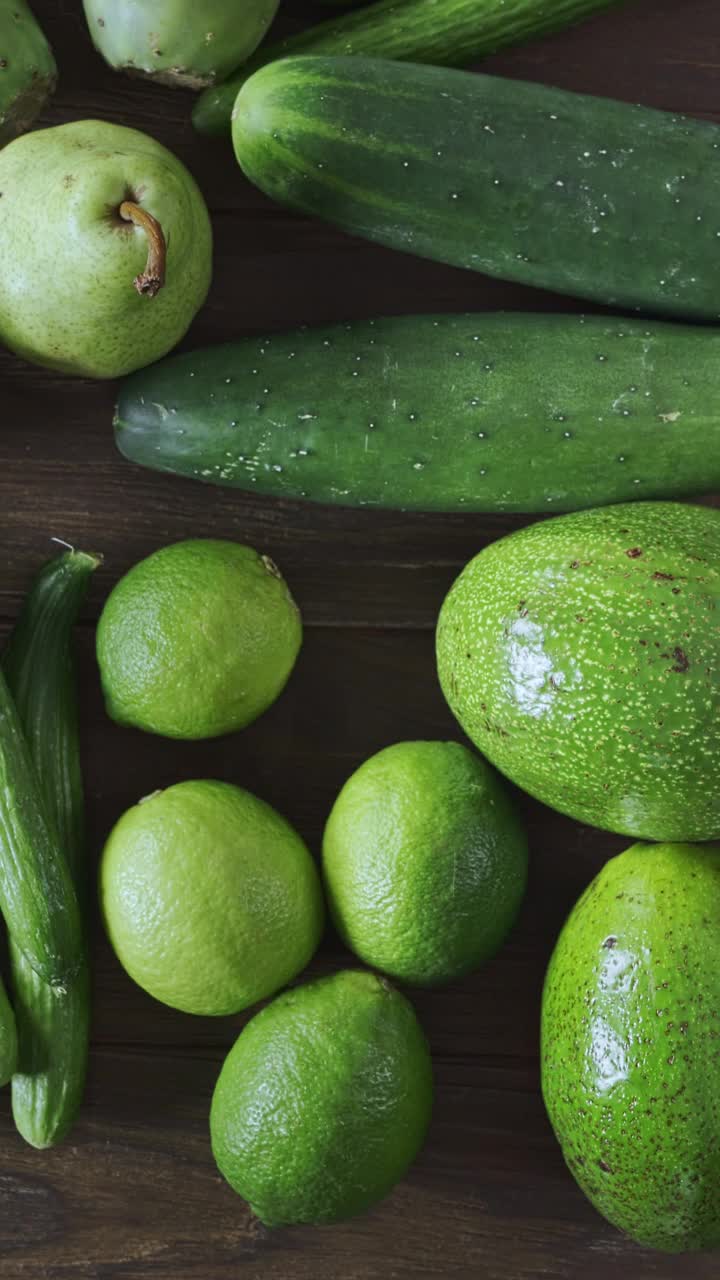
x: 631, y: 1044
x: 582, y: 656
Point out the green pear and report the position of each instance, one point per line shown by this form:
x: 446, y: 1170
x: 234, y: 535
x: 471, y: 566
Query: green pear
x: 190, y: 43
x: 105, y: 249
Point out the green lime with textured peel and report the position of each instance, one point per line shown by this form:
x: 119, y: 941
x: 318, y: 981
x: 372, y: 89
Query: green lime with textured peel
x: 425, y: 861
x: 211, y: 900
x: 197, y: 640
x: 324, y: 1100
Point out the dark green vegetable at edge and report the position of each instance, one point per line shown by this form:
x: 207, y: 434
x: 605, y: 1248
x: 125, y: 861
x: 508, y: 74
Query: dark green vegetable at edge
x: 490, y: 412
x: 451, y: 33
x: 586, y: 196
x: 8, y: 1037
x: 28, y: 72
x: 37, y: 897
x: 53, y: 1024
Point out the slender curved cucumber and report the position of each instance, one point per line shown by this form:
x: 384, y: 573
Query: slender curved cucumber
x: 27, y: 69
x: 37, y: 897
x: 8, y: 1037
x: 451, y: 33
x: 53, y: 1024
x: 492, y: 412
x: 582, y: 195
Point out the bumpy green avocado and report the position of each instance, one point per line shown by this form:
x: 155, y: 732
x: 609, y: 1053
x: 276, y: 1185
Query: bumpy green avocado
x: 631, y: 1044
x: 189, y: 43
x: 582, y: 656
x: 27, y: 69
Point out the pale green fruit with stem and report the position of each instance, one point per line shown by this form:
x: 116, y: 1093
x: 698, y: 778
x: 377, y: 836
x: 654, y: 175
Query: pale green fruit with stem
x: 105, y: 248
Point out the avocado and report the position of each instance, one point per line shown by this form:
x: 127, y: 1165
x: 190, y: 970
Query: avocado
x: 582, y: 656
x: 631, y: 1044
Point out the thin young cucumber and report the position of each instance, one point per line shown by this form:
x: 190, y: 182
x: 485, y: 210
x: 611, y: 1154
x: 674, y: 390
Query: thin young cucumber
x: 449, y: 33
x: 586, y: 196
x: 53, y: 1024
x: 489, y: 412
x: 8, y: 1037
x: 37, y: 896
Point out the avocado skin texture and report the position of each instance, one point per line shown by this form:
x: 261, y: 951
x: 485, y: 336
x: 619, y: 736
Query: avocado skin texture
x: 631, y: 1044
x: 581, y: 655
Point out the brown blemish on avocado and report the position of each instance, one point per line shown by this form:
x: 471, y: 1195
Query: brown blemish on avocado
x: 682, y: 662
x: 634, y: 552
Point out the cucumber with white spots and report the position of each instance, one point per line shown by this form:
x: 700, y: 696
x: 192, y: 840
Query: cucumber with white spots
x: 491, y: 412
x: 589, y: 197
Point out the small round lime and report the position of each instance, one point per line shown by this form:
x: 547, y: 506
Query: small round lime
x: 211, y: 900
x: 197, y: 640
x: 425, y: 861
x: 324, y: 1100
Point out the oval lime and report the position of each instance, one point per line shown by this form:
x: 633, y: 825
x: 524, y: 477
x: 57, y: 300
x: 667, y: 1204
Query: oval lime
x: 197, y: 640
x: 425, y: 861
x: 324, y: 1100
x: 211, y: 900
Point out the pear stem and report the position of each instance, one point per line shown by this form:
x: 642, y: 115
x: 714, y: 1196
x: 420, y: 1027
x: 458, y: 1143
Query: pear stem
x: 152, y: 279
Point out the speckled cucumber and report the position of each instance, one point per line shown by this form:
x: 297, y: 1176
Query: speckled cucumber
x: 433, y: 413
x: 52, y: 1024
x: 582, y: 195
x: 27, y: 69
x: 451, y: 33
x: 188, y: 43
x: 630, y: 1044
x: 581, y: 656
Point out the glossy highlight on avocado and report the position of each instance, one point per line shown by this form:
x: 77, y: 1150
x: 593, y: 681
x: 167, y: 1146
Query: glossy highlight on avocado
x: 581, y: 656
x: 631, y: 1044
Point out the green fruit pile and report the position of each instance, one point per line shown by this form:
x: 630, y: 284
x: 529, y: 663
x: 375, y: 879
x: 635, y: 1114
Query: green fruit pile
x: 580, y: 655
x: 212, y: 902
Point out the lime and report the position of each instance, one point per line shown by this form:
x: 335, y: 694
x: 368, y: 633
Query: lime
x: 324, y: 1100
x: 211, y: 900
x: 425, y: 861
x: 197, y: 640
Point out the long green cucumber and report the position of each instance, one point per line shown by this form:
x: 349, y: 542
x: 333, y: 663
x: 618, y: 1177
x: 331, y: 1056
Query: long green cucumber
x: 37, y: 896
x: 582, y: 195
x: 444, y: 32
x: 8, y: 1037
x: 53, y: 1024
x: 490, y: 412
x: 27, y: 69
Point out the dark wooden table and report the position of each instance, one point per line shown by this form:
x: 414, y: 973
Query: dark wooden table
x: 134, y: 1192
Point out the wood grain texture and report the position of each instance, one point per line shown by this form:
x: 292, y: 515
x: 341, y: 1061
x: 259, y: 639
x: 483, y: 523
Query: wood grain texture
x: 134, y: 1193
